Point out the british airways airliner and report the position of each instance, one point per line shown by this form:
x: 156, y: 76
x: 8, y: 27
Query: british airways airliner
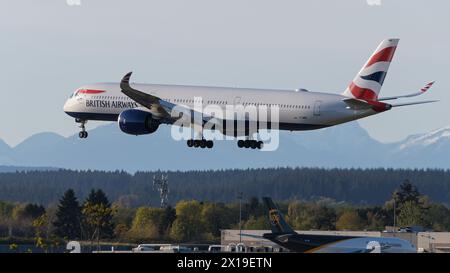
x: 141, y: 108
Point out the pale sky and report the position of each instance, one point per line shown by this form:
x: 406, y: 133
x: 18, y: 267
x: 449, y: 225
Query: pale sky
x: 49, y: 48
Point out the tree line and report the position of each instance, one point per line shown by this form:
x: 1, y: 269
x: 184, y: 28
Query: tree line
x: 97, y: 219
x: 356, y: 186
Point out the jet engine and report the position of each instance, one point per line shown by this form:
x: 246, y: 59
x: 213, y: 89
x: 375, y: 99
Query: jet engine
x: 137, y: 122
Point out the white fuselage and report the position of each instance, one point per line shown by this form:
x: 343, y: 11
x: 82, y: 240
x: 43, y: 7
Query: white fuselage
x: 298, y: 110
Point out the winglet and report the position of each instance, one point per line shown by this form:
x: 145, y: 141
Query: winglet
x: 140, y: 97
x: 426, y: 87
x: 125, y: 82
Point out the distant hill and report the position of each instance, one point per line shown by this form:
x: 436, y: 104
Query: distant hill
x: 13, y: 169
x: 5, y: 152
x: 344, y: 146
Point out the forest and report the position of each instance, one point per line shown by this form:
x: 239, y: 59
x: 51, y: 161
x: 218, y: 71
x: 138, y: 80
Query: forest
x: 96, y: 219
x: 353, y: 186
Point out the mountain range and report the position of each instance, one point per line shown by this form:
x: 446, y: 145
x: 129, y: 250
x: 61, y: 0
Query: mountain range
x: 343, y: 146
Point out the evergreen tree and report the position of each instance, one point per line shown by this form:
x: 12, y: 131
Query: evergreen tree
x: 216, y: 217
x: 254, y: 207
x: 167, y: 219
x: 407, y: 192
x: 98, y: 199
x: 68, y: 217
x: 33, y: 211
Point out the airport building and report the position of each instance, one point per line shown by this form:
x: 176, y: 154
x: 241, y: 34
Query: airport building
x: 436, y: 242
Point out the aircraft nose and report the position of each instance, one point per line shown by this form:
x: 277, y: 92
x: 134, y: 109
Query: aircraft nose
x: 67, y: 106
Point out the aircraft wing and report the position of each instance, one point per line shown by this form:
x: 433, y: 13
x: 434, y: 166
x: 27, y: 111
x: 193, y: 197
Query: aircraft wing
x: 157, y: 106
x: 422, y: 91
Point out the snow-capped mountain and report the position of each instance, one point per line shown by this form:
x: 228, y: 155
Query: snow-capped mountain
x: 432, y: 138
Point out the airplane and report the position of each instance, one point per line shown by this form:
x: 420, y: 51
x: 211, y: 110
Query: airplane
x: 141, y: 109
x: 282, y: 234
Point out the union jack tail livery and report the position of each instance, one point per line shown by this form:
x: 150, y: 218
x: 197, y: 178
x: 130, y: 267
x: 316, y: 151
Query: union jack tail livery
x: 367, y: 84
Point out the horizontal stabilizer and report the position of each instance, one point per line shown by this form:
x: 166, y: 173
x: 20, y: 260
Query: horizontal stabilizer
x: 357, y: 104
x: 413, y: 103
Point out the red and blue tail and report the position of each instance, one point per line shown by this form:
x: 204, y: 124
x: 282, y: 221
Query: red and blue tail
x: 367, y: 84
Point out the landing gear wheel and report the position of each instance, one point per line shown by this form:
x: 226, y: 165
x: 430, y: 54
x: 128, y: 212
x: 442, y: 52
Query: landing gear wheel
x: 260, y: 145
x: 203, y: 144
x: 247, y: 144
x: 240, y: 143
x: 83, y: 133
x: 209, y: 144
x: 200, y: 143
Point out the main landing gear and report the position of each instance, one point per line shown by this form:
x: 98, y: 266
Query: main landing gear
x: 248, y: 143
x: 83, y: 133
x: 202, y: 143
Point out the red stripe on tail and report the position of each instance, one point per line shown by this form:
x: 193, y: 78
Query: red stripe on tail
x: 363, y: 93
x: 384, y: 55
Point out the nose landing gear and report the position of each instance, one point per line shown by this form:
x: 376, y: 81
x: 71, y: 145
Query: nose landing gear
x: 83, y: 133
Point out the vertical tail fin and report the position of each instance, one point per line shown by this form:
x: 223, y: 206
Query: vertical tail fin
x: 277, y: 222
x: 367, y: 84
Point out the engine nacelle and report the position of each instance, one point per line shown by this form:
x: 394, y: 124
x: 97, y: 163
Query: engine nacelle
x: 137, y: 122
